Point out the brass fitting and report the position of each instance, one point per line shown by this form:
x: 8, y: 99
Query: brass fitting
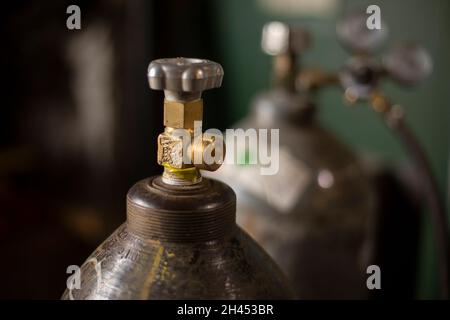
x: 310, y: 79
x: 170, y: 151
x: 179, y: 154
x: 182, y: 114
x: 284, y: 42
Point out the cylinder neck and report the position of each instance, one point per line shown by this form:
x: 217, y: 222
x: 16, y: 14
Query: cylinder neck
x: 198, y: 213
x: 181, y: 177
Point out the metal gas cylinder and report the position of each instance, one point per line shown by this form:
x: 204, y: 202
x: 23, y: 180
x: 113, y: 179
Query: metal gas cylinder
x: 180, y: 240
x: 312, y: 216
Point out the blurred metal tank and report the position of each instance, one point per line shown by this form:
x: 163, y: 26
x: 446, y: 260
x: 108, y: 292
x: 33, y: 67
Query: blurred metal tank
x: 312, y: 216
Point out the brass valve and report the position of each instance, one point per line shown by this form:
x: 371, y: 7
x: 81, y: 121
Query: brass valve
x: 284, y: 42
x: 181, y: 147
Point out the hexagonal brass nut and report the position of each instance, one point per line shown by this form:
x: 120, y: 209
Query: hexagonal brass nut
x: 182, y: 115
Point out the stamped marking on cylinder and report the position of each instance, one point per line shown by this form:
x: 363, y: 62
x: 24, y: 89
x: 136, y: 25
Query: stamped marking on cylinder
x: 130, y: 254
x: 123, y: 234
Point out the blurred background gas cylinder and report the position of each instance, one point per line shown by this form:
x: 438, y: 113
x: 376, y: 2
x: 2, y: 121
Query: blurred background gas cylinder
x: 311, y: 216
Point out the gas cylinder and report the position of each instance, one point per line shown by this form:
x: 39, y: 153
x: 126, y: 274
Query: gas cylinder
x: 180, y: 239
x: 312, y: 215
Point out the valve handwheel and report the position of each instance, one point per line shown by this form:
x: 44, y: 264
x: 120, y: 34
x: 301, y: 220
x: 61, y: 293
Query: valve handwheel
x: 177, y: 76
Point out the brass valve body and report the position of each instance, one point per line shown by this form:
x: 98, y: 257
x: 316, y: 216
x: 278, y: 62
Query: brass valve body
x: 182, y: 114
x: 171, y: 152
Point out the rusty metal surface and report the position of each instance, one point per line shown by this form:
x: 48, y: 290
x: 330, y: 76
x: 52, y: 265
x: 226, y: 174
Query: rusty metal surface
x: 159, y: 258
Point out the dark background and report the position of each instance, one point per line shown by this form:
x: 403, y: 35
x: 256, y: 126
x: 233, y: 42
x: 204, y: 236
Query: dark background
x: 78, y: 122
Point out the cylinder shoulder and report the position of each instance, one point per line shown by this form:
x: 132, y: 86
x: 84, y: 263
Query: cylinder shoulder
x: 130, y: 268
x: 153, y: 193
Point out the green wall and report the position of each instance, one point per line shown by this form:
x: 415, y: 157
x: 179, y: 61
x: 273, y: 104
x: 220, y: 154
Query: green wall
x: 248, y: 71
